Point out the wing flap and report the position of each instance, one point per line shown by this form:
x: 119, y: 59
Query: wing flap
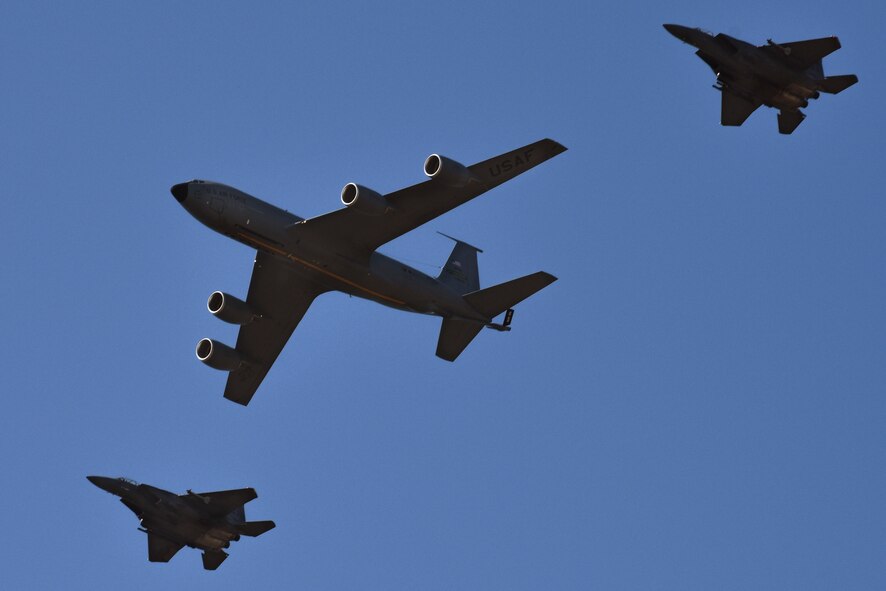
x: 736, y: 109
x: 281, y: 296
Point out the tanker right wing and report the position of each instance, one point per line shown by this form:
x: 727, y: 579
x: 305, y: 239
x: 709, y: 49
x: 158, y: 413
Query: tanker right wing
x: 371, y: 220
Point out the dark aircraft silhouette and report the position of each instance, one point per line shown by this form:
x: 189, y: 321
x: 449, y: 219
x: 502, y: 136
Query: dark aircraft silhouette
x: 780, y: 75
x: 298, y: 259
x: 208, y: 521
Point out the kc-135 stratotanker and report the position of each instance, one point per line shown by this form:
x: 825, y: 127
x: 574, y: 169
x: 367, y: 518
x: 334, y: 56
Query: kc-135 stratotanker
x: 298, y: 259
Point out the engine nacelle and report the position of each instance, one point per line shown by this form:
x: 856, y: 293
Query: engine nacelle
x: 447, y: 171
x: 226, y: 307
x: 363, y: 200
x: 218, y: 355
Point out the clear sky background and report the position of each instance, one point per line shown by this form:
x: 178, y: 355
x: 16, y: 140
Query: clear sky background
x: 697, y: 403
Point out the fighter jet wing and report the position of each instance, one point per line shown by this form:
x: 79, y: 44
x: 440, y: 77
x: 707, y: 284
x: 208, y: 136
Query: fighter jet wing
x: 804, y: 53
x: 360, y: 234
x: 736, y: 108
x: 280, y: 296
x: 221, y: 502
x: 161, y: 549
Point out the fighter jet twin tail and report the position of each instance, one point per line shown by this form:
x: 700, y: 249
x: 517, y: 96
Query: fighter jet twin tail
x: 780, y: 75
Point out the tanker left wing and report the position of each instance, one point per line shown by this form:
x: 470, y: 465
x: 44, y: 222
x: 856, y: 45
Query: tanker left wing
x: 280, y: 297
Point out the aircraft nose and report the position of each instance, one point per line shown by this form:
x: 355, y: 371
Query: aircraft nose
x: 180, y: 191
x: 103, y: 482
x: 678, y: 31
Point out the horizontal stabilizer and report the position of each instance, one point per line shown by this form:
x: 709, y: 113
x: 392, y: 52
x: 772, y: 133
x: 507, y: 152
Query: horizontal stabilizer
x: 455, y: 335
x: 789, y: 120
x: 836, y: 84
x: 212, y: 560
x: 494, y: 300
x: 255, y: 528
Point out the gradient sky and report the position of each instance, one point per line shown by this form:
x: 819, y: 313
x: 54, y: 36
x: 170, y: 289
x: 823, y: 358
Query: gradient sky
x: 697, y: 403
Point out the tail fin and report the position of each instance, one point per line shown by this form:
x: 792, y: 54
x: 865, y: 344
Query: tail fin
x: 494, y: 300
x: 255, y: 528
x: 238, y: 515
x: 836, y: 84
x: 212, y: 560
x: 461, y: 271
x: 789, y: 120
x: 457, y: 333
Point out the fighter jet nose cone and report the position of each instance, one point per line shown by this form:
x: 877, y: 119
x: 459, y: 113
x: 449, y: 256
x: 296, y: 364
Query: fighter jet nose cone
x: 180, y: 192
x: 678, y: 31
x: 103, y: 482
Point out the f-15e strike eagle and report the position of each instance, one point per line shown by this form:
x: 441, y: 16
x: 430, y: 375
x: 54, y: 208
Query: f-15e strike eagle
x: 780, y: 75
x: 208, y: 521
x: 298, y: 259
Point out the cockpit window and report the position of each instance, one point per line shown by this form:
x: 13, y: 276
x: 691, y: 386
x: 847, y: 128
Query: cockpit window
x: 128, y: 481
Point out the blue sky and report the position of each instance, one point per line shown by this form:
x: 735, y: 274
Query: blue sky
x: 697, y: 403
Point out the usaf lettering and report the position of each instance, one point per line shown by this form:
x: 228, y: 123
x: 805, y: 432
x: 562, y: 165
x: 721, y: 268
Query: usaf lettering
x: 509, y: 164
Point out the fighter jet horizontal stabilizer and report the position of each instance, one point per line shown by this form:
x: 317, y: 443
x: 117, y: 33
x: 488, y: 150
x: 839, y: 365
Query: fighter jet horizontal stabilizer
x: 255, y: 528
x: 837, y: 84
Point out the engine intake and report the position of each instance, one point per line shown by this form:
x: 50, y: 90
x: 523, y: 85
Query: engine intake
x: 218, y: 355
x: 226, y: 307
x: 447, y: 171
x: 363, y: 199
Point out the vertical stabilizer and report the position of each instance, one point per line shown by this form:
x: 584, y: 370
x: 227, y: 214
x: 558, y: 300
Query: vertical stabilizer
x: 238, y: 515
x: 461, y: 271
x: 213, y: 559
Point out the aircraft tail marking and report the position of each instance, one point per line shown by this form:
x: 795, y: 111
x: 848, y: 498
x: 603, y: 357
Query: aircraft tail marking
x: 461, y: 271
x: 836, y: 84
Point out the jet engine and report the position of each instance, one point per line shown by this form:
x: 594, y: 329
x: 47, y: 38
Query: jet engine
x: 230, y: 309
x: 447, y: 171
x: 363, y: 200
x: 218, y: 355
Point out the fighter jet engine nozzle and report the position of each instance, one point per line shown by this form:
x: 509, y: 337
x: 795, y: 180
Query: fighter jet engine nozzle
x: 447, y: 171
x: 363, y: 199
x: 218, y: 355
x: 226, y: 307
